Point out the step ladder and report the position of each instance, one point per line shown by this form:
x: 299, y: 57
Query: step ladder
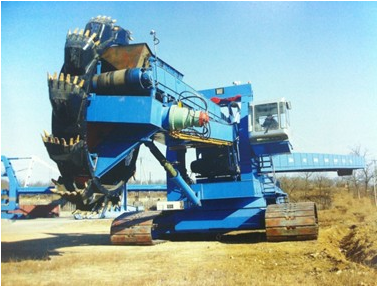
x: 268, y: 175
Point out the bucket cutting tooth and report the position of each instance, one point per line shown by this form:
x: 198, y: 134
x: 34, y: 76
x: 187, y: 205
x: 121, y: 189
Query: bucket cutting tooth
x: 54, y: 190
x: 61, y: 77
x: 54, y: 83
x: 109, y: 206
x: 95, y: 197
x: 91, y: 38
x: 81, y: 32
x: 68, y: 79
x: 75, y: 31
x: 75, y: 79
x: 87, y: 33
x: 77, y: 211
x: 81, y: 84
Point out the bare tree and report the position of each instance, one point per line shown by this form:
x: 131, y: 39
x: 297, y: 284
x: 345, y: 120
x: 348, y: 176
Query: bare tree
x: 362, y: 178
x: 289, y: 184
x: 322, y: 182
x: 306, y: 175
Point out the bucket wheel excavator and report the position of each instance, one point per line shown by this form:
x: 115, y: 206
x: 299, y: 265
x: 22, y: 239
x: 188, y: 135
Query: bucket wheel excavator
x: 111, y: 96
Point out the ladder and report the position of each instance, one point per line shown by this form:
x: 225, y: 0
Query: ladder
x: 268, y: 175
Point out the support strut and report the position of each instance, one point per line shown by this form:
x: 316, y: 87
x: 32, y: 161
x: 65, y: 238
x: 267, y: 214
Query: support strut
x: 173, y: 174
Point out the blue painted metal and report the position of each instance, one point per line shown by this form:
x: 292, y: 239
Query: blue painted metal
x: 186, y: 189
x: 228, y: 190
x: 217, y: 216
x: 300, y: 162
x: 10, y: 203
x: 110, y: 153
x: 233, y: 183
x: 146, y: 187
x: 227, y: 201
x: 271, y: 148
x: 121, y: 109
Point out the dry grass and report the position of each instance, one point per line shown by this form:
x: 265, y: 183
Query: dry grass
x: 67, y: 252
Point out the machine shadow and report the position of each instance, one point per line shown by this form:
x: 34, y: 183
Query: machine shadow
x: 244, y: 237
x: 228, y: 238
x: 43, y: 248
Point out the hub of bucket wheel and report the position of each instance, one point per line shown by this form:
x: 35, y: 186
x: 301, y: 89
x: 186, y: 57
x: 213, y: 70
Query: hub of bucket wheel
x: 292, y: 222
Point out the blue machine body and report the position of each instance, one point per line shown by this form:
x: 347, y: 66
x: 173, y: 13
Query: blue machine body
x: 111, y: 97
x: 235, y: 198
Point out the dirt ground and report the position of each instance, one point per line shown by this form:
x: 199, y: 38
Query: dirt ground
x: 63, y: 251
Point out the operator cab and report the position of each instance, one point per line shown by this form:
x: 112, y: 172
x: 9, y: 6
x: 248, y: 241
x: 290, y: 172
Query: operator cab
x: 269, y: 121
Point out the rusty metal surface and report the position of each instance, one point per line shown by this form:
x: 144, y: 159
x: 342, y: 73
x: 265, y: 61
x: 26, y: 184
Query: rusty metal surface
x: 127, y: 57
x: 291, y: 221
x: 134, y: 229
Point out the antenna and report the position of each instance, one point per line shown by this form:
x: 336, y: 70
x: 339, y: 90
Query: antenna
x: 156, y: 41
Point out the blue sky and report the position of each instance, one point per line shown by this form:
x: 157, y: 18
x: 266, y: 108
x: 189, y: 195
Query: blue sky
x: 320, y: 55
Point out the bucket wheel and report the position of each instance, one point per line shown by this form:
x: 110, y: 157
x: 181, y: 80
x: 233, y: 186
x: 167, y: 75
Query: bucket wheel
x: 72, y: 144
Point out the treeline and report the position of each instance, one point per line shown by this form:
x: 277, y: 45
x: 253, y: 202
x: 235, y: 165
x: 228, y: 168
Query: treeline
x: 319, y: 187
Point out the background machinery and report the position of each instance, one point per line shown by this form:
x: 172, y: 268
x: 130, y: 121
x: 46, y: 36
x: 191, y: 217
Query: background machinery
x: 11, y: 207
x: 111, y: 97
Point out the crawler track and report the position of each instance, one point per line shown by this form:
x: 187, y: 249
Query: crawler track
x: 134, y: 229
x: 292, y: 221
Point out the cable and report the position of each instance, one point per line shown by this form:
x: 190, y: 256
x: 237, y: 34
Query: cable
x: 205, y: 134
x: 193, y: 96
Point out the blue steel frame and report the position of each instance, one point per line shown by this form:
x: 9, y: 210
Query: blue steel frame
x: 301, y: 162
x: 212, y: 206
x: 14, y: 190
